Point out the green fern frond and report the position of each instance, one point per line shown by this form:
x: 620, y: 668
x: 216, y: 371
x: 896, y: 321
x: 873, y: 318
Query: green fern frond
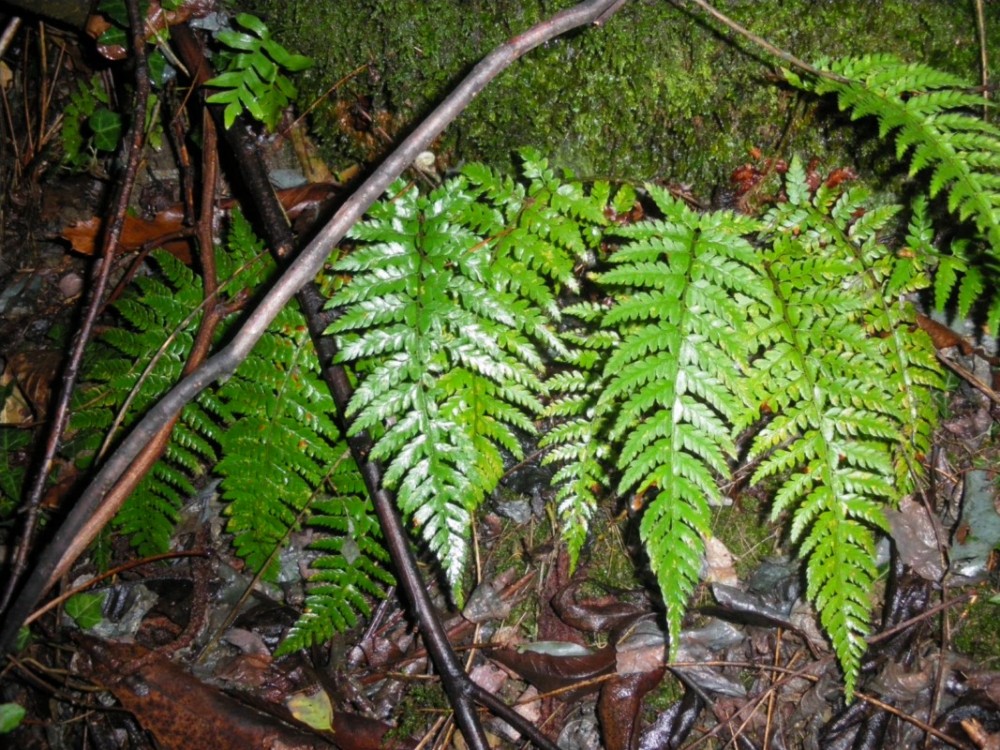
x: 686, y: 294
x: 446, y: 343
x: 281, y: 409
x: 351, y: 567
x: 271, y: 423
x: 156, y: 323
x: 929, y: 113
x: 852, y: 385
x: 539, y: 229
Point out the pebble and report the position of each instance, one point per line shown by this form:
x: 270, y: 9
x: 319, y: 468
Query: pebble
x: 71, y: 285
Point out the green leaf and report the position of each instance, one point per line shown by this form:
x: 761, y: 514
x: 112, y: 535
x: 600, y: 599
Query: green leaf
x: 107, y: 128
x: 86, y: 610
x: 254, y: 79
x: 254, y: 24
x: 11, y: 716
x: 238, y: 40
x: 852, y: 388
x: 114, y: 36
x: 447, y: 331
x: 312, y: 708
x: 674, y: 383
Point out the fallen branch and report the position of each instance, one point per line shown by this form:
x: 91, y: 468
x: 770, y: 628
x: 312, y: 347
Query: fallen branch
x: 133, y: 141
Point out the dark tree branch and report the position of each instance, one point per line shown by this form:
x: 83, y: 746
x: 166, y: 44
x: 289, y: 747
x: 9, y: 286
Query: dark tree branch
x: 134, y: 140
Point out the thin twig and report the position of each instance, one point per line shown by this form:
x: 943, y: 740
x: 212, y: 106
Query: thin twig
x: 936, y: 733
x: 60, y: 418
x: 117, y: 570
x: 9, y: 32
x: 788, y: 57
x: 984, y: 59
x: 969, y: 377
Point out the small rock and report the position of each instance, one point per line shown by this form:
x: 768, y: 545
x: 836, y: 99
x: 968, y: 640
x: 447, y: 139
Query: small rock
x: 71, y: 285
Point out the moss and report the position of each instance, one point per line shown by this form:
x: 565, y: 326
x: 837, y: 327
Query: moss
x: 421, y: 703
x: 747, y: 532
x: 657, y: 93
x: 976, y: 634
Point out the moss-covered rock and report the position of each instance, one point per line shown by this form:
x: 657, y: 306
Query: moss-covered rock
x: 659, y: 92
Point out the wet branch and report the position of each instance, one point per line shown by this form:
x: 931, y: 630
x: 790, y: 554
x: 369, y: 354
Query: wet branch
x: 134, y: 141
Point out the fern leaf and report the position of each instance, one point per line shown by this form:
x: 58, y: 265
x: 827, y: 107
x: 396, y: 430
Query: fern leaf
x: 686, y: 293
x: 929, y: 114
x: 455, y: 374
x: 350, y: 568
x: 270, y: 422
x: 577, y: 444
x: 136, y: 364
x: 853, y: 388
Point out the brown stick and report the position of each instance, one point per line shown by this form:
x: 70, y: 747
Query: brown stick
x: 134, y: 141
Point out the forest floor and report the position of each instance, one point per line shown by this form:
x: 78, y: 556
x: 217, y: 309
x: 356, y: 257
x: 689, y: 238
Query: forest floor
x: 581, y: 654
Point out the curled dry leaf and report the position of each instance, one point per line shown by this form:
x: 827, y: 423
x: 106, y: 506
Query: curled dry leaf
x: 548, y: 671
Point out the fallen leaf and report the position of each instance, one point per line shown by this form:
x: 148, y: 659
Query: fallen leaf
x: 619, y: 705
x: 312, y: 707
x: 138, y: 232
x: 548, y: 671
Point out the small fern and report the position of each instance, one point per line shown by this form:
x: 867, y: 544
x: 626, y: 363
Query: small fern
x: 267, y: 433
x: 575, y: 442
x: 254, y: 78
x: 929, y: 114
x: 352, y: 566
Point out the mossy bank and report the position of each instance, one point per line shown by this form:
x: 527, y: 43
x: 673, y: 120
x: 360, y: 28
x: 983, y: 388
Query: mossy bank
x: 660, y: 92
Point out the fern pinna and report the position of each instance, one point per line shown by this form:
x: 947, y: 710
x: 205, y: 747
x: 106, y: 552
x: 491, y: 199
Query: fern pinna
x: 932, y: 116
x: 267, y: 433
x: 451, y: 297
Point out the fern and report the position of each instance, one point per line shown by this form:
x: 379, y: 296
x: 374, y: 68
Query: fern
x: 352, y: 566
x: 849, y: 385
x: 928, y: 113
x: 282, y: 456
x: 450, y: 297
x: 449, y: 310
x: 254, y: 79
x: 685, y: 292
x: 576, y: 443
x: 155, y: 319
